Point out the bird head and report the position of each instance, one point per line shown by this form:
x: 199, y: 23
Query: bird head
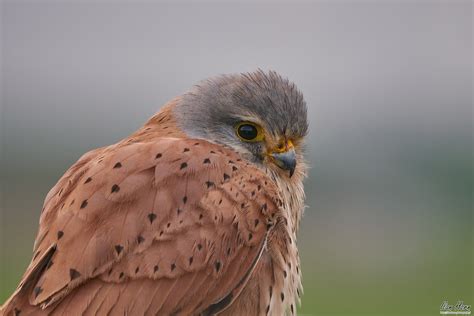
x: 260, y: 115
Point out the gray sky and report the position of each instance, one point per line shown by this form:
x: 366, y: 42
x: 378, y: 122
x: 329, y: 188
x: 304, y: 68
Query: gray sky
x: 84, y: 75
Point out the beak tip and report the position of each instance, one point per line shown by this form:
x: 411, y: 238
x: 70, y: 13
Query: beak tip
x: 286, y: 161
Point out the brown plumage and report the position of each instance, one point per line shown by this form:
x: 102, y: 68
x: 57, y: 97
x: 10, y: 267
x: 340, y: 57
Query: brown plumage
x: 169, y: 222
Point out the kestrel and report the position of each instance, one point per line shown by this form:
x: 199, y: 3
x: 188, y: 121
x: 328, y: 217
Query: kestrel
x: 196, y: 213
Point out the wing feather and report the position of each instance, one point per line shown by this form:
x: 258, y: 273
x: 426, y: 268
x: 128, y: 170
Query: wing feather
x: 167, y: 226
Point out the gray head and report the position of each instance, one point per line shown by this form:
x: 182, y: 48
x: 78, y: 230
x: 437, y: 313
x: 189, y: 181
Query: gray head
x: 260, y: 115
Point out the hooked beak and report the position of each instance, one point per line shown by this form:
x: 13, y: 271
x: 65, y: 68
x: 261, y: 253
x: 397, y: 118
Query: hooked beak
x: 286, y: 158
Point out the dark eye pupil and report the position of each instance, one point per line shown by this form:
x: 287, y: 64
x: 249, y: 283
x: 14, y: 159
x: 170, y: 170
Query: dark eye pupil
x: 247, y: 131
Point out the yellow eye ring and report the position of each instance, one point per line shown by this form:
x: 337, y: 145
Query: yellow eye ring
x: 249, y: 132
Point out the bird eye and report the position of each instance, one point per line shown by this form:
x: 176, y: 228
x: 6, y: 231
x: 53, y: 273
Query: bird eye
x: 249, y: 132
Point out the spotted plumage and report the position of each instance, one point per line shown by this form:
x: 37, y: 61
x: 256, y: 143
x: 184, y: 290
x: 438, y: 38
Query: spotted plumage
x: 184, y: 216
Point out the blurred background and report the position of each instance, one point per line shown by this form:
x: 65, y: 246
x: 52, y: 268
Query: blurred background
x: 388, y: 229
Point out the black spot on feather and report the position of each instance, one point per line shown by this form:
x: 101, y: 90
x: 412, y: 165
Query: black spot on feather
x: 37, y: 291
x: 209, y: 184
x: 118, y: 249
x: 151, y: 217
x: 115, y: 188
x: 74, y: 274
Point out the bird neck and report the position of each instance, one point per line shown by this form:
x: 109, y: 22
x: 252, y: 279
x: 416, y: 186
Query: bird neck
x: 292, y: 192
x: 162, y: 124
